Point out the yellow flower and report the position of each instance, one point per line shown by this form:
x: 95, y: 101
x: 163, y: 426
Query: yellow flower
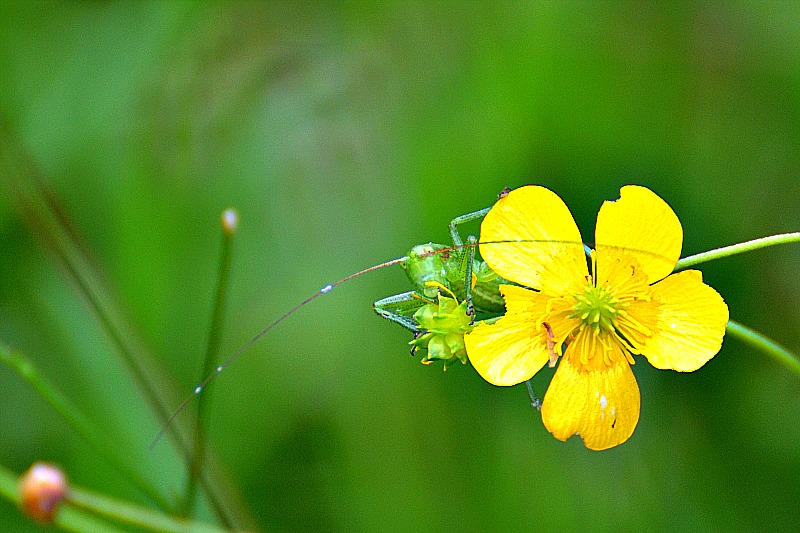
x: 630, y: 304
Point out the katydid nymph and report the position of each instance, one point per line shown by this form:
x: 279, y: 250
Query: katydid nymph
x: 450, y: 287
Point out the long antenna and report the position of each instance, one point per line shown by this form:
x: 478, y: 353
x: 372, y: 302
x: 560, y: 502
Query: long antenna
x: 225, y: 364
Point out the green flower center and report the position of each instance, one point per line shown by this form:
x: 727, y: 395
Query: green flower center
x: 597, y: 307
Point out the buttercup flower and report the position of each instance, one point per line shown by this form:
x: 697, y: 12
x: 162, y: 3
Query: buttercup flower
x: 629, y: 304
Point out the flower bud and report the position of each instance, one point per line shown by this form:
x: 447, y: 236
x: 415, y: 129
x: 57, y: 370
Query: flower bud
x: 442, y: 326
x: 230, y: 220
x: 42, y: 489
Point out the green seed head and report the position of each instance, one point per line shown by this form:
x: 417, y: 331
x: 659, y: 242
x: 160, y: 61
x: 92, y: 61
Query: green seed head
x: 597, y: 307
x: 443, y: 325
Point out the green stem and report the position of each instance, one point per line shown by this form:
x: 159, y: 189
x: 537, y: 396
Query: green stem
x: 726, y: 251
x: 8, y: 485
x: 230, y: 223
x: 79, y: 510
x: 766, y: 345
x: 93, y: 435
x: 135, y: 515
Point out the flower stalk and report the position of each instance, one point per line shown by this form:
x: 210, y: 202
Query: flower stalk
x: 764, y: 344
x: 84, y: 510
x: 734, y: 249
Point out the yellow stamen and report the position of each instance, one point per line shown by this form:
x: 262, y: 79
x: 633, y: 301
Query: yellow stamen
x: 441, y: 288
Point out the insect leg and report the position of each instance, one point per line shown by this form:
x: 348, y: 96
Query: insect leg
x: 400, y: 308
x: 470, y: 256
x: 462, y: 219
x: 466, y: 260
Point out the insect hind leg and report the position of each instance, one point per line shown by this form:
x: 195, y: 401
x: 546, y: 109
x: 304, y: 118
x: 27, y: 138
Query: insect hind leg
x: 400, y: 309
x: 467, y: 252
x: 475, y: 215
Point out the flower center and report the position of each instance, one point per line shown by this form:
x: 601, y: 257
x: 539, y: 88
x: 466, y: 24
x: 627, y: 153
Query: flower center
x: 597, y: 307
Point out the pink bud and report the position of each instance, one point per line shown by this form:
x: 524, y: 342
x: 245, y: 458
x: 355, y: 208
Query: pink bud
x: 42, y: 489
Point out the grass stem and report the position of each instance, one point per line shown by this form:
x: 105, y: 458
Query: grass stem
x: 230, y: 222
x: 89, y: 432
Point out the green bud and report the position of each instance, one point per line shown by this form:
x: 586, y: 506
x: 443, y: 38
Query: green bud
x: 444, y: 324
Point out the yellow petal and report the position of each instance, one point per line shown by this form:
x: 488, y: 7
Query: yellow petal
x: 598, y: 400
x: 640, y: 224
x: 540, y: 307
x: 688, y: 325
x: 521, y: 300
x: 549, y: 255
x: 549, y: 316
x: 511, y: 350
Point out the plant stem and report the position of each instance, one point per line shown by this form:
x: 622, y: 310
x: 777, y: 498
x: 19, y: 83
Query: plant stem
x: 766, y: 345
x: 78, y: 511
x: 230, y: 223
x: 747, y: 246
x: 89, y: 432
x: 135, y: 515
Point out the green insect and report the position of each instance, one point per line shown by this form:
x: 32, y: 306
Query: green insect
x: 451, y: 289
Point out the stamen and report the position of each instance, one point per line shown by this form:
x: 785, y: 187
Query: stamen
x: 441, y: 288
x: 550, y: 345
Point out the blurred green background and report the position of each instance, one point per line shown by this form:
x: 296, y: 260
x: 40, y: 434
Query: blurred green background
x: 345, y: 133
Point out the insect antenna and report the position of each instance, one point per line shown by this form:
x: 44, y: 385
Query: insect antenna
x: 227, y: 362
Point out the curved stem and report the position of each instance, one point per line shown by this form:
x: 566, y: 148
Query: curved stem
x: 747, y: 246
x: 91, y: 433
x: 134, y: 515
x: 765, y: 344
x: 49, y: 222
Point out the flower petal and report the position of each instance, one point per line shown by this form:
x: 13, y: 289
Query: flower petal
x: 512, y: 349
x: 597, y: 399
x: 549, y: 255
x: 689, y: 323
x: 541, y: 308
x: 640, y: 224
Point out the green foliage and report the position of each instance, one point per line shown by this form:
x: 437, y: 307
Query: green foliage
x: 343, y: 134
